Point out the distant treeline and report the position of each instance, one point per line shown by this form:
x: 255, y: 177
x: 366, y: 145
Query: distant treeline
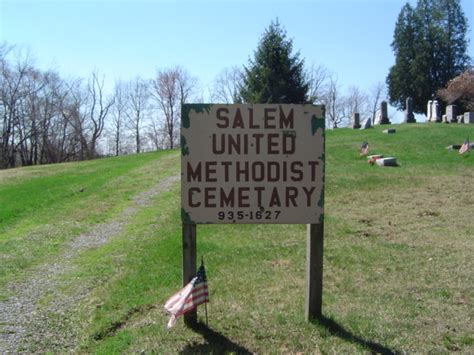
x: 46, y: 118
x: 49, y: 119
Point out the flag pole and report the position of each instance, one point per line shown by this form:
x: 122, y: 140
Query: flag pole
x: 205, y: 307
x: 205, y: 303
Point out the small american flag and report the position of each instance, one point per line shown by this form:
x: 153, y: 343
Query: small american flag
x: 192, y: 295
x: 364, y: 149
x: 465, y: 147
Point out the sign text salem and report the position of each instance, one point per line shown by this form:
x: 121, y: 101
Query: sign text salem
x: 261, y: 163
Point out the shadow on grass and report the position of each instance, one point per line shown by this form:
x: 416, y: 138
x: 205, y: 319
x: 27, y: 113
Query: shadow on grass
x: 215, y: 343
x: 337, y: 330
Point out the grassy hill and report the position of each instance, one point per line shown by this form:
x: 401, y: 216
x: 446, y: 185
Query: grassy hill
x: 398, y: 270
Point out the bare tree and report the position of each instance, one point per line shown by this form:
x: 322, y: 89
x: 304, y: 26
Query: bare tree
x: 44, y: 119
x: 227, y: 86
x: 54, y: 130
x: 356, y: 101
x: 317, y: 76
x: 98, y: 109
x: 377, y: 93
x: 28, y: 118
x: 166, y: 94
x: 119, y: 113
x: 334, y: 103
x: 13, y: 93
x: 170, y: 89
x: 72, y: 111
x: 187, y: 84
x: 138, y: 96
x: 156, y: 135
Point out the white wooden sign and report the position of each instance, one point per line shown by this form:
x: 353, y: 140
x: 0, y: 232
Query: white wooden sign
x: 261, y: 163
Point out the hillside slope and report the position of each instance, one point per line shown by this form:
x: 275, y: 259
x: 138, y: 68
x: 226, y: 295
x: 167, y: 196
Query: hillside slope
x: 106, y: 235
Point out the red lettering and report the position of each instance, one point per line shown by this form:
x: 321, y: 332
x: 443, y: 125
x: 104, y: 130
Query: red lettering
x: 275, y: 198
x: 227, y: 200
x: 272, y: 143
x: 209, y: 197
x: 190, y: 196
x: 221, y: 117
x: 251, y: 123
x: 238, y: 120
x: 193, y: 175
x: 308, y: 193
x: 259, y: 190
x: 226, y: 165
x: 211, y: 171
x: 296, y: 168
x: 273, y: 173
x: 313, y: 165
x: 258, y: 137
x: 267, y: 118
x: 289, y: 147
x: 215, y: 149
x: 286, y: 121
x: 243, y: 198
x: 291, y: 194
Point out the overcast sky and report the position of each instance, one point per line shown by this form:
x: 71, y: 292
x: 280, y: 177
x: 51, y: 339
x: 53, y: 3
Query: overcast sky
x: 123, y: 39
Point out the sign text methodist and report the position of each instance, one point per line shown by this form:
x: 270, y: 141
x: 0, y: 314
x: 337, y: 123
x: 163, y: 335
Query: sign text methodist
x: 260, y: 163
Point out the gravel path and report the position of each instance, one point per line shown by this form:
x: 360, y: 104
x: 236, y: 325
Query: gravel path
x: 25, y: 327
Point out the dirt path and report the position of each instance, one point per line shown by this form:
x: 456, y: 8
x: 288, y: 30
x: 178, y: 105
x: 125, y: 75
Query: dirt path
x: 25, y: 327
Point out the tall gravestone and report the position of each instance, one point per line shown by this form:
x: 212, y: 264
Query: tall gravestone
x: 409, y: 116
x: 356, y: 120
x: 451, y: 114
x: 384, y: 113
x: 368, y: 123
x: 378, y: 117
x: 435, y: 112
x: 468, y: 117
x: 429, y: 113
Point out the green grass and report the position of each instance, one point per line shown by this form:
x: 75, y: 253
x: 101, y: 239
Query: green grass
x: 45, y: 206
x: 397, y: 260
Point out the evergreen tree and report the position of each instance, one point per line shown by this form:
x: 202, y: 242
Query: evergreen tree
x: 400, y: 79
x: 274, y: 75
x: 430, y: 49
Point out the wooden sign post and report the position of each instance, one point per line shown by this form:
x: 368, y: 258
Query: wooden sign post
x: 189, y: 265
x: 314, y: 271
x: 261, y: 163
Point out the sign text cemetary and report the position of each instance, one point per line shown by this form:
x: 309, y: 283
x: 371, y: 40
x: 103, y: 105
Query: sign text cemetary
x: 260, y: 163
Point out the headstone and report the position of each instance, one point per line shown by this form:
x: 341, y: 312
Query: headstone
x: 389, y: 131
x: 384, y: 113
x: 409, y: 116
x: 391, y: 161
x: 371, y: 159
x: 468, y: 117
x: 435, y: 112
x: 378, y: 117
x: 451, y: 113
x: 445, y: 119
x: 368, y: 123
x: 429, y: 114
x: 356, y: 120
x: 460, y: 118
